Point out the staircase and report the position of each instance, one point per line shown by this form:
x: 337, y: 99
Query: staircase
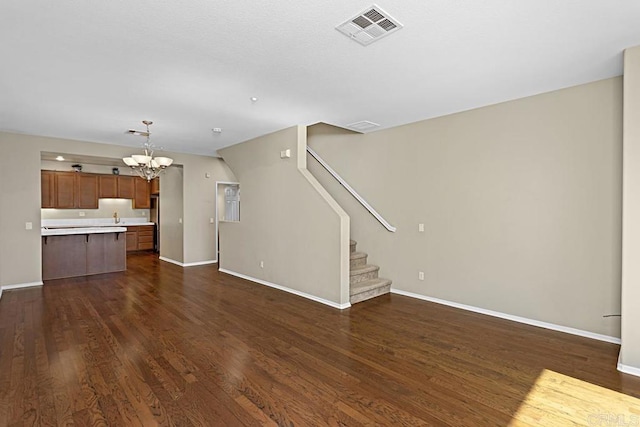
x: 363, y: 278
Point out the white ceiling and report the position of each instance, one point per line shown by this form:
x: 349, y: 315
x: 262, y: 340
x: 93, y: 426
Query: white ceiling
x: 91, y: 69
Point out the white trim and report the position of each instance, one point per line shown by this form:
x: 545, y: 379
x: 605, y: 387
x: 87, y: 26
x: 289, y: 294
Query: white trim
x: 291, y: 291
x: 21, y: 285
x: 217, y: 208
x: 532, y: 322
x: 172, y: 261
x: 194, y: 264
x: 188, y: 264
x: 353, y: 192
x: 626, y: 369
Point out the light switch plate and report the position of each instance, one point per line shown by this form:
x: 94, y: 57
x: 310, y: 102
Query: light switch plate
x: 421, y: 228
x: 28, y: 226
x: 285, y: 154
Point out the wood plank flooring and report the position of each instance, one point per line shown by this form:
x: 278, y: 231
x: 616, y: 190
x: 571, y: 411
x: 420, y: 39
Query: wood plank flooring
x: 162, y: 345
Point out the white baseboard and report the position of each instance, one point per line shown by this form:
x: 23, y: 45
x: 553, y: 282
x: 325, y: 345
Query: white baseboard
x: 291, y: 291
x: 532, y: 322
x: 19, y: 286
x: 188, y: 264
x: 626, y: 369
x: 194, y: 264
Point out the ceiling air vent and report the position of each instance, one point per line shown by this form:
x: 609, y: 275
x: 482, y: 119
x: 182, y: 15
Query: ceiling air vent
x: 363, y: 126
x: 369, y: 25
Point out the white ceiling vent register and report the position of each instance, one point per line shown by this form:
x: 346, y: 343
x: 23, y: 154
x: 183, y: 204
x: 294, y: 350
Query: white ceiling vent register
x: 363, y: 126
x: 370, y: 25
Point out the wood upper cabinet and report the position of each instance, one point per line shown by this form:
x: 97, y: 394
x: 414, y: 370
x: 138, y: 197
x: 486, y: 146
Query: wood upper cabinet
x: 155, y: 186
x: 107, y: 186
x: 77, y: 190
x: 142, y: 199
x: 47, y: 185
x: 126, y: 187
x: 69, y: 190
x: 87, y: 196
x: 65, y: 190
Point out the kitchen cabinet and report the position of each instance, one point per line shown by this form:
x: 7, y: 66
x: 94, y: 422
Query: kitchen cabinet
x: 77, y: 190
x: 155, y: 186
x: 47, y: 189
x: 132, y: 239
x: 68, y: 190
x: 142, y: 197
x: 126, y: 187
x: 87, y: 191
x: 140, y: 238
x: 65, y: 190
x: 108, y: 186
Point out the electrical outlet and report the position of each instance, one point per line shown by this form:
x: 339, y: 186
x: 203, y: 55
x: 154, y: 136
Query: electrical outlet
x: 80, y: 213
x: 211, y: 221
x: 261, y: 264
x: 421, y: 228
x: 420, y: 275
x: 179, y: 220
x: 28, y: 226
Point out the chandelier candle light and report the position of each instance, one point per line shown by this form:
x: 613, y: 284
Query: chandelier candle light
x: 145, y: 165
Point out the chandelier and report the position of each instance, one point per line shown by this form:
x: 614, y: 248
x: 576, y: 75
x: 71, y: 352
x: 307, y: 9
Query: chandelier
x: 145, y: 165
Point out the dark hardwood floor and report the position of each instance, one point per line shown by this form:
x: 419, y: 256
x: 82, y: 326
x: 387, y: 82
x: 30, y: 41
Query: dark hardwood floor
x: 163, y: 345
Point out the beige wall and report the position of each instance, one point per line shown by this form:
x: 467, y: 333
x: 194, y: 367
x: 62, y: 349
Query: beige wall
x: 20, y: 202
x: 172, y: 215
x: 630, y: 352
x: 286, y: 220
x: 521, y: 203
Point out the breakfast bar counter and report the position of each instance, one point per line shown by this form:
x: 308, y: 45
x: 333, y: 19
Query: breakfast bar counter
x: 82, y: 251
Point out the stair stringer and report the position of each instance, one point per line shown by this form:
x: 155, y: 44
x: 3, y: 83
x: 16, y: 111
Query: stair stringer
x: 345, y: 224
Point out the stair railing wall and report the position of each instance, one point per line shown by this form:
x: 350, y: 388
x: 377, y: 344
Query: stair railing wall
x: 353, y: 192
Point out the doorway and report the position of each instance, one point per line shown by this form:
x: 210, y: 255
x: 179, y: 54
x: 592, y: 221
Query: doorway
x: 227, y: 207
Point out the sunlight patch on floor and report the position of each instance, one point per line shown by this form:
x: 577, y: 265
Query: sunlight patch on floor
x: 559, y: 400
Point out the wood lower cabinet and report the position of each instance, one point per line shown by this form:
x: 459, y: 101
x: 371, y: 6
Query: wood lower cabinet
x: 140, y: 238
x: 82, y: 254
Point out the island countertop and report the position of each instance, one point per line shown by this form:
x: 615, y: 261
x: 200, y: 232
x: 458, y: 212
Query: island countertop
x: 81, y: 230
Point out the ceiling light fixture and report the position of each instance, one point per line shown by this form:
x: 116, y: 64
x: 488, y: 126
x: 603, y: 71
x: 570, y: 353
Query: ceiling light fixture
x: 145, y: 165
x: 253, y: 99
x: 60, y: 159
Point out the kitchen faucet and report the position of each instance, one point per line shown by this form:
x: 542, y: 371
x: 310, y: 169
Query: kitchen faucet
x: 115, y: 217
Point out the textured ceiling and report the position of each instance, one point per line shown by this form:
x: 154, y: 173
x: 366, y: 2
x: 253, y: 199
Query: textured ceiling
x: 90, y: 70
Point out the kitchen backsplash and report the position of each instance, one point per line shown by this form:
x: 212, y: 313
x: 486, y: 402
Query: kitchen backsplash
x: 106, y: 208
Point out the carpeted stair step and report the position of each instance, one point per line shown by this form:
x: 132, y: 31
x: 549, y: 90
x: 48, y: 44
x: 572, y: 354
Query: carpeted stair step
x: 356, y: 259
x: 362, y: 273
x: 368, y: 289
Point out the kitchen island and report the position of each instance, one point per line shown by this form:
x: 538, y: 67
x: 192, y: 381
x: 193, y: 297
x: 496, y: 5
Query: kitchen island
x: 82, y: 251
